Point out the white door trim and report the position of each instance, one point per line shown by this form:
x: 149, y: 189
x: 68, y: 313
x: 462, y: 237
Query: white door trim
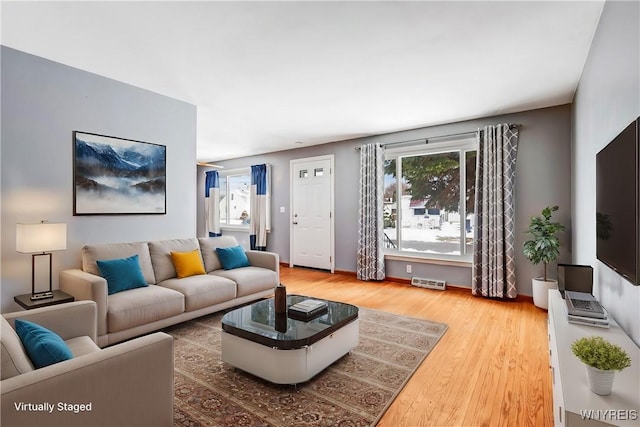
x: 292, y: 163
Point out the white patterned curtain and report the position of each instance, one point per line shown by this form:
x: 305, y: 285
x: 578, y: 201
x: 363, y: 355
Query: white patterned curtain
x: 493, y: 272
x: 258, y: 203
x: 212, y: 203
x: 370, y: 265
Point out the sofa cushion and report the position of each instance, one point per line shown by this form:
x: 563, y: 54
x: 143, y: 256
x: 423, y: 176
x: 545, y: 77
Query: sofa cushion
x: 160, y: 252
x: 187, y: 263
x: 233, y: 257
x: 208, y: 247
x: 141, y: 306
x: 44, y: 347
x: 13, y: 356
x: 250, y: 279
x: 121, y: 274
x: 202, y: 290
x: 92, y: 253
x: 80, y: 346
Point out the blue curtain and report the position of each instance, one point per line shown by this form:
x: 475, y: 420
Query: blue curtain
x: 258, y: 202
x: 212, y: 203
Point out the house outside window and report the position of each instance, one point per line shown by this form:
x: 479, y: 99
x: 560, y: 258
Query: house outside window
x: 235, y: 191
x: 235, y: 199
x: 429, y: 199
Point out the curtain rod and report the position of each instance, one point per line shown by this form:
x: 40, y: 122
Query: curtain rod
x: 427, y: 140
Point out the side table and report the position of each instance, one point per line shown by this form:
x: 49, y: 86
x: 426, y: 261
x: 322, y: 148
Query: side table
x: 59, y: 297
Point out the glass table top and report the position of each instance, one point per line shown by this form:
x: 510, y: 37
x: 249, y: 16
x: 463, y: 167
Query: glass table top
x: 260, y: 323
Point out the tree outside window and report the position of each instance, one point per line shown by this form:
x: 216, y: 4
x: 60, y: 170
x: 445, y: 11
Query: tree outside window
x: 434, y: 212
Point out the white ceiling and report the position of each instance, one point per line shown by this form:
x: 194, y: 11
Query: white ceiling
x: 267, y: 76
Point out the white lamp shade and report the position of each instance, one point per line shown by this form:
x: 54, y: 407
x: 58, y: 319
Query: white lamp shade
x: 41, y: 237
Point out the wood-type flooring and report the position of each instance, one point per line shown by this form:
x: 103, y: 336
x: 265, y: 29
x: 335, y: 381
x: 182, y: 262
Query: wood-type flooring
x: 491, y: 368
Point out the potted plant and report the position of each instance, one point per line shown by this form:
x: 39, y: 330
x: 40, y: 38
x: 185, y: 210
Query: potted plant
x: 544, y: 247
x: 602, y: 359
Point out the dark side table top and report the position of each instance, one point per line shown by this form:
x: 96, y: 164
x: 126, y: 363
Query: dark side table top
x: 257, y: 323
x: 59, y: 297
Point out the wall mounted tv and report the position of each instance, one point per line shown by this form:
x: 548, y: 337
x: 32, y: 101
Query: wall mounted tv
x: 618, y: 204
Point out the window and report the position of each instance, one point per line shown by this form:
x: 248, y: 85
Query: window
x: 235, y: 191
x: 429, y: 199
x: 235, y: 198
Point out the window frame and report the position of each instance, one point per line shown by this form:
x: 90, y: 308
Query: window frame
x: 226, y: 175
x: 243, y: 172
x: 462, y: 146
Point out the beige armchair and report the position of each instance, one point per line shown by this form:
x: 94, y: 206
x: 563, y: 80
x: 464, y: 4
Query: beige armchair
x: 129, y: 384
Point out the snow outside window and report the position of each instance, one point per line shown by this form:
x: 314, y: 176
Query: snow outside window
x: 429, y: 199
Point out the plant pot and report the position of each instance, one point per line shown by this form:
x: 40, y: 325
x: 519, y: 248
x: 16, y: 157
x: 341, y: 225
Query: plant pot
x: 600, y: 382
x: 541, y: 291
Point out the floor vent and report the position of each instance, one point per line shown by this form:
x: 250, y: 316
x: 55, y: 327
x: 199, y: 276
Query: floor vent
x: 422, y: 282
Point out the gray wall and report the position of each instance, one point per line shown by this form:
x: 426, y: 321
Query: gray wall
x: 607, y: 100
x: 42, y: 103
x: 543, y: 178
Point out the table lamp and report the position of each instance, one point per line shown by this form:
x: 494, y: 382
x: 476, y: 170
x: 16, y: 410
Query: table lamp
x: 40, y: 240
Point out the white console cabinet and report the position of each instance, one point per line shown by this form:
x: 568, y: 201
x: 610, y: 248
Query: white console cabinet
x: 573, y: 403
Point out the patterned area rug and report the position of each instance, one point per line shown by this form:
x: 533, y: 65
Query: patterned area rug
x: 354, y: 391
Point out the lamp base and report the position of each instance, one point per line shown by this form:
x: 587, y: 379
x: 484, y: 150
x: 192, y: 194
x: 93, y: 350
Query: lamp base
x: 41, y: 295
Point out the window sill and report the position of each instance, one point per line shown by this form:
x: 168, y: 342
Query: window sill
x: 423, y: 260
x: 235, y: 227
x: 238, y: 228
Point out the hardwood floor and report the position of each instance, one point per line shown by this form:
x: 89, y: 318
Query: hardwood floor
x: 491, y: 368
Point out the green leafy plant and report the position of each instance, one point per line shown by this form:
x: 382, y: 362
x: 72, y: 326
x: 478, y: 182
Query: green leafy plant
x: 544, y: 247
x: 601, y: 354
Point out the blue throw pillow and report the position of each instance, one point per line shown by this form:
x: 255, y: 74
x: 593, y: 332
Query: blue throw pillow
x: 122, y: 274
x: 44, y: 347
x: 233, y: 257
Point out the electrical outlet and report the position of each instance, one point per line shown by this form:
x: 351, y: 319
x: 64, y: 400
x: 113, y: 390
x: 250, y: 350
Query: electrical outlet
x: 408, y: 268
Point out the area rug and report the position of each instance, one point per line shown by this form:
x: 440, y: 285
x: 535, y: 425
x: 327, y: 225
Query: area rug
x: 354, y: 391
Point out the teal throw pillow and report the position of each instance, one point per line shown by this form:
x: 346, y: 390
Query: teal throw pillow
x: 44, y: 347
x: 122, y: 274
x: 233, y: 257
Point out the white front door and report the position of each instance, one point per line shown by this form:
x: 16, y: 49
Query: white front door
x: 312, y: 212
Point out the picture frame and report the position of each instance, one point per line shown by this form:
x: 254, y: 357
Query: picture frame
x: 118, y: 176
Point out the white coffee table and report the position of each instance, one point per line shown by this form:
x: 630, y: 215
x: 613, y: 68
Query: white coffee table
x: 284, y: 350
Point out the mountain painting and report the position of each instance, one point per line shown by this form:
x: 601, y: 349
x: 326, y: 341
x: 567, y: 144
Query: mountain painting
x: 118, y: 176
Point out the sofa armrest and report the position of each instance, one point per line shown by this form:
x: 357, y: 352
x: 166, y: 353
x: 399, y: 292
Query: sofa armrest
x: 126, y: 384
x: 87, y: 286
x: 70, y: 320
x: 269, y: 260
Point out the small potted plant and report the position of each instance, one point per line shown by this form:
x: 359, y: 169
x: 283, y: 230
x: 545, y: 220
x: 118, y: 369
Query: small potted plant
x: 544, y: 247
x: 602, y: 359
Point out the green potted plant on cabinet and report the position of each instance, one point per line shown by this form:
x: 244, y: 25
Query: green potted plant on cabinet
x: 602, y: 359
x: 544, y: 247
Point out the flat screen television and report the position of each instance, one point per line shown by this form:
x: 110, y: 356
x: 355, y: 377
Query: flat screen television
x: 618, y: 204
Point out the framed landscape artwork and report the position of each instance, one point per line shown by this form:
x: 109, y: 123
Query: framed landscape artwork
x: 117, y: 176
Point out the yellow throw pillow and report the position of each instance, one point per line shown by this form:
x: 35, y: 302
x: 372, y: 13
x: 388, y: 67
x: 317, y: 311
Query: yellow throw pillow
x: 188, y: 263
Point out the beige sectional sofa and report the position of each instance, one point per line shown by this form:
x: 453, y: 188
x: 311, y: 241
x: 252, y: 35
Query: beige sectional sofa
x: 168, y: 299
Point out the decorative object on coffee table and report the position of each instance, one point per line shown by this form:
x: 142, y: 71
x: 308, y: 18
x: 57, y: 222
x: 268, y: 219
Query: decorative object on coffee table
x: 280, y: 299
x: 308, y: 309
